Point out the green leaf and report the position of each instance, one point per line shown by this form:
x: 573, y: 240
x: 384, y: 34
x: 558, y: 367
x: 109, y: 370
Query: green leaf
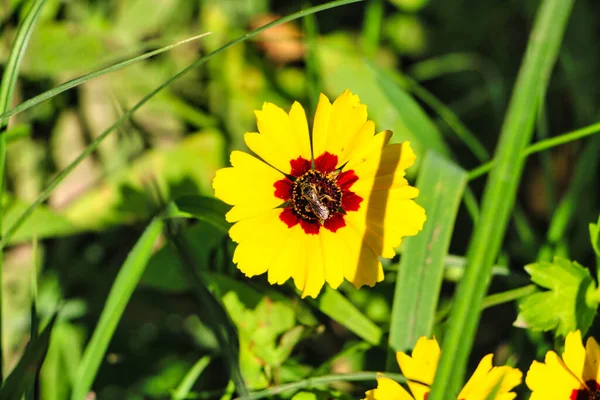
x: 207, y: 209
x: 340, y: 68
x: 441, y: 185
x: 25, y: 371
x: 336, y: 306
x: 120, y: 293
x: 568, y: 305
x: 44, y: 222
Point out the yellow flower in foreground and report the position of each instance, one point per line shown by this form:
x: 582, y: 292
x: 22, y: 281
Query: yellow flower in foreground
x: 322, y: 212
x: 574, y: 377
x: 419, y: 370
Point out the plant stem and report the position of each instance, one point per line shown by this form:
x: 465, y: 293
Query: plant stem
x: 500, y: 193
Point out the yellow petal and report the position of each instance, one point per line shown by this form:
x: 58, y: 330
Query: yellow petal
x: 421, y: 366
x: 592, y: 360
x: 260, y: 240
x: 248, y: 186
x: 385, y: 217
x: 342, y: 127
x: 551, y: 379
x: 574, y: 354
x: 362, y: 266
x: 418, y: 390
x: 282, y: 137
x: 387, y: 389
x: 487, y: 380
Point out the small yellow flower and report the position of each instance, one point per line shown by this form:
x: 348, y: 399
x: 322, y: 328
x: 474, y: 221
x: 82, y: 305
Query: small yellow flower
x: 324, y: 211
x: 574, y: 377
x: 419, y: 370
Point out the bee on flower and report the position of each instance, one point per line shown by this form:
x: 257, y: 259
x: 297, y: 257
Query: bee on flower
x: 486, y: 383
x: 319, y: 211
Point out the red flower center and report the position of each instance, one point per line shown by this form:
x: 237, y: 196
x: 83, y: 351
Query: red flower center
x: 593, y: 393
x: 317, y: 197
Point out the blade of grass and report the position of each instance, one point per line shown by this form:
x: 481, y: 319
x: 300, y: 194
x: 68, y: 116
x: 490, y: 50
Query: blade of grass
x: 451, y: 119
x: 500, y: 193
x: 311, y: 30
x: 34, y: 324
x: 28, y: 366
x: 319, y: 381
x: 335, y: 305
x: 40, y: 98
x: 117, y: 299
x: 7, y: 88
x: 371, y: 29
x: 128, y: 114
x: 441, y: 185
x: 182, y: 391
x: 539, y: 146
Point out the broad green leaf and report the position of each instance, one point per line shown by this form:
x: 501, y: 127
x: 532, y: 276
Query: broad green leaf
x: 206, y: 209
x: 120, y: 293
x: 342, y: 69
x: 568, y: 305
x: 25, y: 371
x: 337, y: 307
x: 441, y: 185
x: 186, y: 168
x: 44, y: 222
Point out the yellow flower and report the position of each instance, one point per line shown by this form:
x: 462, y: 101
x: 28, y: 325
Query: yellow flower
x: 576, y: 376
x: 419, y: 370
x: 322, y: 212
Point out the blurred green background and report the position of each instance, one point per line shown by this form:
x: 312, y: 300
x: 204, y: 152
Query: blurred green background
x: 419, y: 66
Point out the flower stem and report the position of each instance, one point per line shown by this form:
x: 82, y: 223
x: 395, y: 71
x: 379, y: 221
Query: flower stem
x: 500, y: 193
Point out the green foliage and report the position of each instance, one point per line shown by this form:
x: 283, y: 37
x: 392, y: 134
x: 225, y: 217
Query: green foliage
x: 441, y: 184
x: 568, y: 305
x: 25, y: 371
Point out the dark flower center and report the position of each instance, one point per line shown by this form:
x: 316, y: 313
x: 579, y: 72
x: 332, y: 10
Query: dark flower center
x: 593, y: 393
x: 316, y: 196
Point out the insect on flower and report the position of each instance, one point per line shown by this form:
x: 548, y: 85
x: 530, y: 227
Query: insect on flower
x: 323, y: 218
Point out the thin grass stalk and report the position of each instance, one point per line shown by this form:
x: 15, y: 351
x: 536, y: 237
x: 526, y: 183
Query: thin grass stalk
x: 128, y: 114
x: 371, y: 29
x: 540, y: 146
x: 500, y: 193
x: 7, y: 88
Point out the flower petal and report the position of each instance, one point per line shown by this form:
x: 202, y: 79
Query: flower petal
x: 487, y: 380
x: 574, y: 355
x: 248, y: 185
x: 592, y: 360
x: 283, y: 137
x: 551, y: 379
x: 342, y: 127
x: 260, y: 239
x: 387, y: 389
x: 421, y: 366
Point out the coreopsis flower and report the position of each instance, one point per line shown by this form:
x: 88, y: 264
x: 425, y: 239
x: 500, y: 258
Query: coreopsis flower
x: 487, y: 382
x: 322, y: 211
x: 574, y: 377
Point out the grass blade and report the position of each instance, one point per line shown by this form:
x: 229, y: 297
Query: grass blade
x: 40, y: 98
x: 128, y: 114
x: 335, y: 305
x: 441, y: 185
x: 119, y: 295
x: 7, y: 88
x: 190, y: 378
x: 500, y: 193
x: 29, y: 364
